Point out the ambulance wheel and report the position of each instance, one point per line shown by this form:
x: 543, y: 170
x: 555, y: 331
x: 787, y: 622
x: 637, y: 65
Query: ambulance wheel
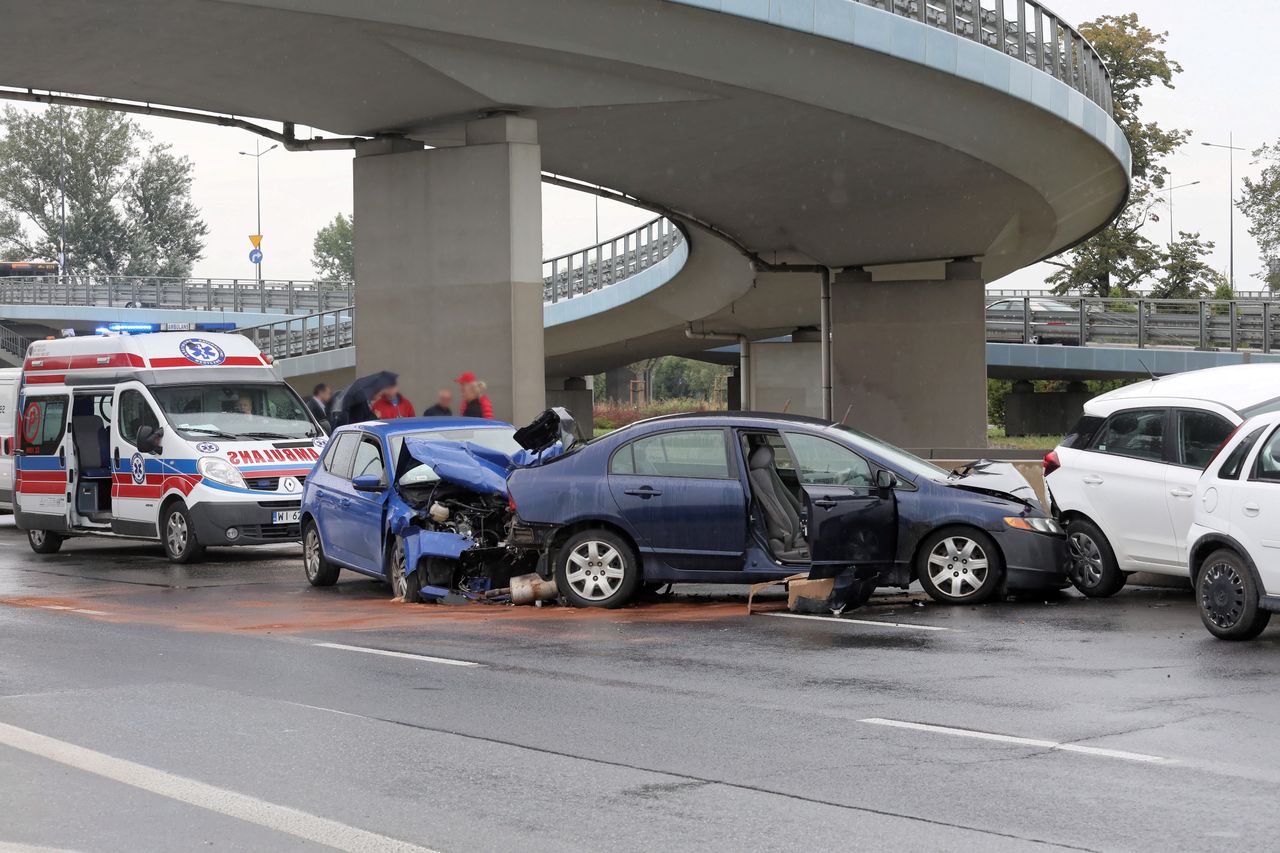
x: 45, y: 541
x: 320, y: 572
x: 179, y: 535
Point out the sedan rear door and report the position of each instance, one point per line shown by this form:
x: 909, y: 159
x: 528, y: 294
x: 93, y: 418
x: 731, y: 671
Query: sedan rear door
x: 680, y: 494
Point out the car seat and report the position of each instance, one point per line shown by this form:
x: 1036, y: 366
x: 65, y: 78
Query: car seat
x: 780, y: 508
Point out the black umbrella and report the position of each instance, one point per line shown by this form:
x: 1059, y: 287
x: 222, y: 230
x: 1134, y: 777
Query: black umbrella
x: 351, y: 404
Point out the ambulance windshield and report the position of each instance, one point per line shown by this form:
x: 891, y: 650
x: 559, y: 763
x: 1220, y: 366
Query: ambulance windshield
x: 229, y: 412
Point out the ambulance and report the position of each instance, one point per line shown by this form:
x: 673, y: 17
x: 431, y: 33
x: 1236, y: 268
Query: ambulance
x: 188, y: 438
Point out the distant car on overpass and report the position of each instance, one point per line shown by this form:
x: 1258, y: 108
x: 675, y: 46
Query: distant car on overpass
x: 1051, y: 321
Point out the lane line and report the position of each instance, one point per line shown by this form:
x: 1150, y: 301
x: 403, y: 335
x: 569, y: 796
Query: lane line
x: 284, y: 819
x: 68, y: 609
x: 1021, y: 741
x: 858, y: 621
x: 90, y: 612
x: 390, y: 654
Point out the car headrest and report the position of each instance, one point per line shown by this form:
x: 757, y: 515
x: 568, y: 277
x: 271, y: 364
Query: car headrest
x: 761, y: 457
x: 1125, y: 424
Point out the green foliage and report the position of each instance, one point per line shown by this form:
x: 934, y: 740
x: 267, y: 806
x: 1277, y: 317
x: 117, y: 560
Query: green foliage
x: 1186, y: 275
x: 128, y: 203
x: 611, y: 414
x: 1260, y: 201
x: 1117, y: 258
x: 998, y: 391
x: 333, y: 250
x: 675, y: 377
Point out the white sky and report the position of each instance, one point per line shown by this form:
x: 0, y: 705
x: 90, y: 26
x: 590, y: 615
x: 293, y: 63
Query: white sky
x: 1229, y: 84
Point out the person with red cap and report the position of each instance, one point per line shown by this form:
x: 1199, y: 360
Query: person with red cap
x: 475, y: 403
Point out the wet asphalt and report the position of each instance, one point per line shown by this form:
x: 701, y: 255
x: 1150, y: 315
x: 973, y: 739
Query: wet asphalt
x: 681, y: 723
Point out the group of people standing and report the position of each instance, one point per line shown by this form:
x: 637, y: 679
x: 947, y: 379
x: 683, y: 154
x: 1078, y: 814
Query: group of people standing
x: 389, y: 403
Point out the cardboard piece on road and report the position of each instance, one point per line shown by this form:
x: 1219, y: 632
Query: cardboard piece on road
x: 758, y: 587
x: 810, y: 596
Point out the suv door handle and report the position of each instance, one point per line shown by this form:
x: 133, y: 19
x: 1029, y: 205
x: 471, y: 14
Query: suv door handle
x: 1182, y: 493
x: 643, y: 492
x: 1091, y: 480
x: 1251, y: 509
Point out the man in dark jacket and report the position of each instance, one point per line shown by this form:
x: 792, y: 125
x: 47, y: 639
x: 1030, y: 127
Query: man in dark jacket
x: 318, y: 404
x: 443, y: 406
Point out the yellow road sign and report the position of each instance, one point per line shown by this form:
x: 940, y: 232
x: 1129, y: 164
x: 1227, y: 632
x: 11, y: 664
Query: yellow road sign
x: 256, y: 240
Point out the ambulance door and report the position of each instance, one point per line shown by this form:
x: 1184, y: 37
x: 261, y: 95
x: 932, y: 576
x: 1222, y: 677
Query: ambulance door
x: 137, y: 472
x: 42, y: 464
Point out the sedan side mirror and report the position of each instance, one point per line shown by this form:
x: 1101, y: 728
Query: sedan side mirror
x: 148, y: 438
x: 885, y: 480
x: 368, y: 483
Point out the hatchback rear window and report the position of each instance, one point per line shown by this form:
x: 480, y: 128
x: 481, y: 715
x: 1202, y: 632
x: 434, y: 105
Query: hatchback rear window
x: 1234, y: 463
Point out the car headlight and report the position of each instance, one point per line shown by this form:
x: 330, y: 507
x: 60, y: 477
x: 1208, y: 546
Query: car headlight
x: 1036, y: 525
x: 220, y: 471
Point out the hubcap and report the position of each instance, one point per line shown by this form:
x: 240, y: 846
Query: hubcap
x: 1086, y: 560
x: 37, y: 538
x: 1222, y: 595
x: 311, y: 553
x: 176, y: 533
x: 399, y: 585
x: 595, y: 570
x: 958, y: 566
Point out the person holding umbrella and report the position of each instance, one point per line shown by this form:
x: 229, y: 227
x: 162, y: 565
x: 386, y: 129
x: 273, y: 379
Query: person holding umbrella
x: 353, y: 404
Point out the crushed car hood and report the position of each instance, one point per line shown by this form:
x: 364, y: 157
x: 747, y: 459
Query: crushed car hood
x: 1001, y: 479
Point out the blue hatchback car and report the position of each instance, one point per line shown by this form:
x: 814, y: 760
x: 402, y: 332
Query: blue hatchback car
x: 729, y: 498
x: 348, y: 503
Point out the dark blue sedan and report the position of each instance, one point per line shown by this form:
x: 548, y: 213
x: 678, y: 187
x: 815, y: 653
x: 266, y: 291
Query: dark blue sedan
x: 723, y: 498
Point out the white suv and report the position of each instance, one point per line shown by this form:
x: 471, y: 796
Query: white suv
x: 1122, y: 482
x: 1235, y: 539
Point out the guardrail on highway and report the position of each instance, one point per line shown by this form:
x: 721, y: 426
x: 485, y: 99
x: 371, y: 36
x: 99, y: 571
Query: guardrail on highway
x: 306, y: 335
x: 1201, y: 324
x: 564, y: 277
x: 1024, y: 29
x: 999, y: 292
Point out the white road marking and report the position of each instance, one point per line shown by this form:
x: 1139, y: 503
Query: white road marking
x: 284, y: 819
x: 843, y: 620
x: 391, y: 654
x: 67, y: 609
x: 1021, y: 741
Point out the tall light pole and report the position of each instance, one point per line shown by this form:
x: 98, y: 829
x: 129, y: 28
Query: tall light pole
x: 1170, y: 190
x: 257, y: 163
x: 1231, y: 200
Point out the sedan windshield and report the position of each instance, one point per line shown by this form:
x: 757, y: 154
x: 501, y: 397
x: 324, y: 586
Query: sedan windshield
x: 900, y: 459
x: 245, y: 412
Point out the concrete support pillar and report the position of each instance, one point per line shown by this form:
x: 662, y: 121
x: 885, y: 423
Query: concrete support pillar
x: 448, y: 256
x: 617, y: 384
x: 909, y: 354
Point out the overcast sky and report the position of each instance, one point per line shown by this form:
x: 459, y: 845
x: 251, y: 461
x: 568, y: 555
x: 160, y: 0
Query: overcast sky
x: 1229, y: 85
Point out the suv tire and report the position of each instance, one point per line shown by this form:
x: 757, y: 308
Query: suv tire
x: 1093, y: 568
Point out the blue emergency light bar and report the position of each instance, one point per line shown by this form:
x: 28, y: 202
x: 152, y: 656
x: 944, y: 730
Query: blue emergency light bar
x: 147, y: 328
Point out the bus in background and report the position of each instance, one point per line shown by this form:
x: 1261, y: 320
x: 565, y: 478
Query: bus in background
x: 14, y: 269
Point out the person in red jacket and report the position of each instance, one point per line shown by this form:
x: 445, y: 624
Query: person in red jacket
x: 475, y: 403
x: 390, y: 404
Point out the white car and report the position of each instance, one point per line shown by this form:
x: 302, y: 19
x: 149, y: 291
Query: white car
x: 1122, y: 482
x: 1235, y: 539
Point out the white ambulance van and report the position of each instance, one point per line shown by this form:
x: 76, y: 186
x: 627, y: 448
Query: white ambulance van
x: 9, y: 379
x: 191, y: 439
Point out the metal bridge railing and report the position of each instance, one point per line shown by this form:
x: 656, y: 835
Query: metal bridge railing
x: 323, y: 331
x: 13, y: 343
x: 1198, y: 324
x: 1027, y: 30
x: 613, y: 260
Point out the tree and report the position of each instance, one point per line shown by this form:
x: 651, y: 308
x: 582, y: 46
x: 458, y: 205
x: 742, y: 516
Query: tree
x: 128, y: 203
x: 1186, y: 275
x: 1115, y: 259
x: 333, y: 250
x: 1261, y: 203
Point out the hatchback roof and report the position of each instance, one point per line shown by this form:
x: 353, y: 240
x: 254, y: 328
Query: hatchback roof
x: 1237, y: 386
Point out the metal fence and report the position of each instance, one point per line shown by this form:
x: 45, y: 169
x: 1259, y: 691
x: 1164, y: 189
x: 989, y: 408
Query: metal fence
x: 611, y: 261
x: 13, y: 344
x: 1200, y: 324
x: 1024, y: 29
x: 314, y: 333
x: 564, y: 277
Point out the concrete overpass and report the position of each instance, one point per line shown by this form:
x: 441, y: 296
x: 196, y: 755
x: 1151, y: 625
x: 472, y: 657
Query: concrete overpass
x: 922, y: 149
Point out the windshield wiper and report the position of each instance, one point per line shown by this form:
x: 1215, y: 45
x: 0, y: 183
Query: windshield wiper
x: 212, y: 433
x: 272, y: 435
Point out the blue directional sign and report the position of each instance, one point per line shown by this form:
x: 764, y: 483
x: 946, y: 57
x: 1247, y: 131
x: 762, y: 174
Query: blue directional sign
x: 255, y: 256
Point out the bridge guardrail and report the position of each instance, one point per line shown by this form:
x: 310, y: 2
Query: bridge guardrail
x: 308, y: 334
x: 584, y: 270
x: 1026, y: 30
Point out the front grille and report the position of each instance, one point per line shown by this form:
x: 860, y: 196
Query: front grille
x: 269, y: 484
x: 279, y: 505
x: 272, y: 532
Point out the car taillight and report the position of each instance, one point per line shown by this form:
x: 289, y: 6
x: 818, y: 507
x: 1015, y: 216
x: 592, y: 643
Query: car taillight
x: 1223, y: 446
x: 1051, y: 462
x: 511, y: 504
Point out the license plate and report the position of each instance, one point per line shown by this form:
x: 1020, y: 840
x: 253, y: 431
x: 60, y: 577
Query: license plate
x: 287, y: 516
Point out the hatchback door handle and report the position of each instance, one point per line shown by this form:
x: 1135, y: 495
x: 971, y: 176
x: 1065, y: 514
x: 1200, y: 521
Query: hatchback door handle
x: 1252, y: 509
x: 643, y: 492
x: 1182, y: 493
x: 345, y: 502
x: 1092, y: 480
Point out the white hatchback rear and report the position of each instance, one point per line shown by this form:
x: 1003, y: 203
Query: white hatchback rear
x: 1123, y: 481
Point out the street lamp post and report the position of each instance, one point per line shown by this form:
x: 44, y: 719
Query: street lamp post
x: 257, y: 163
x: 1170, y: 190
x: 1231, y: 201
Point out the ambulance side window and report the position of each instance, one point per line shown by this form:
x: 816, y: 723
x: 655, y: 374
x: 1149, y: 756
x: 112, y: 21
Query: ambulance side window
x: 135, y: 412
x: 44, y: 420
